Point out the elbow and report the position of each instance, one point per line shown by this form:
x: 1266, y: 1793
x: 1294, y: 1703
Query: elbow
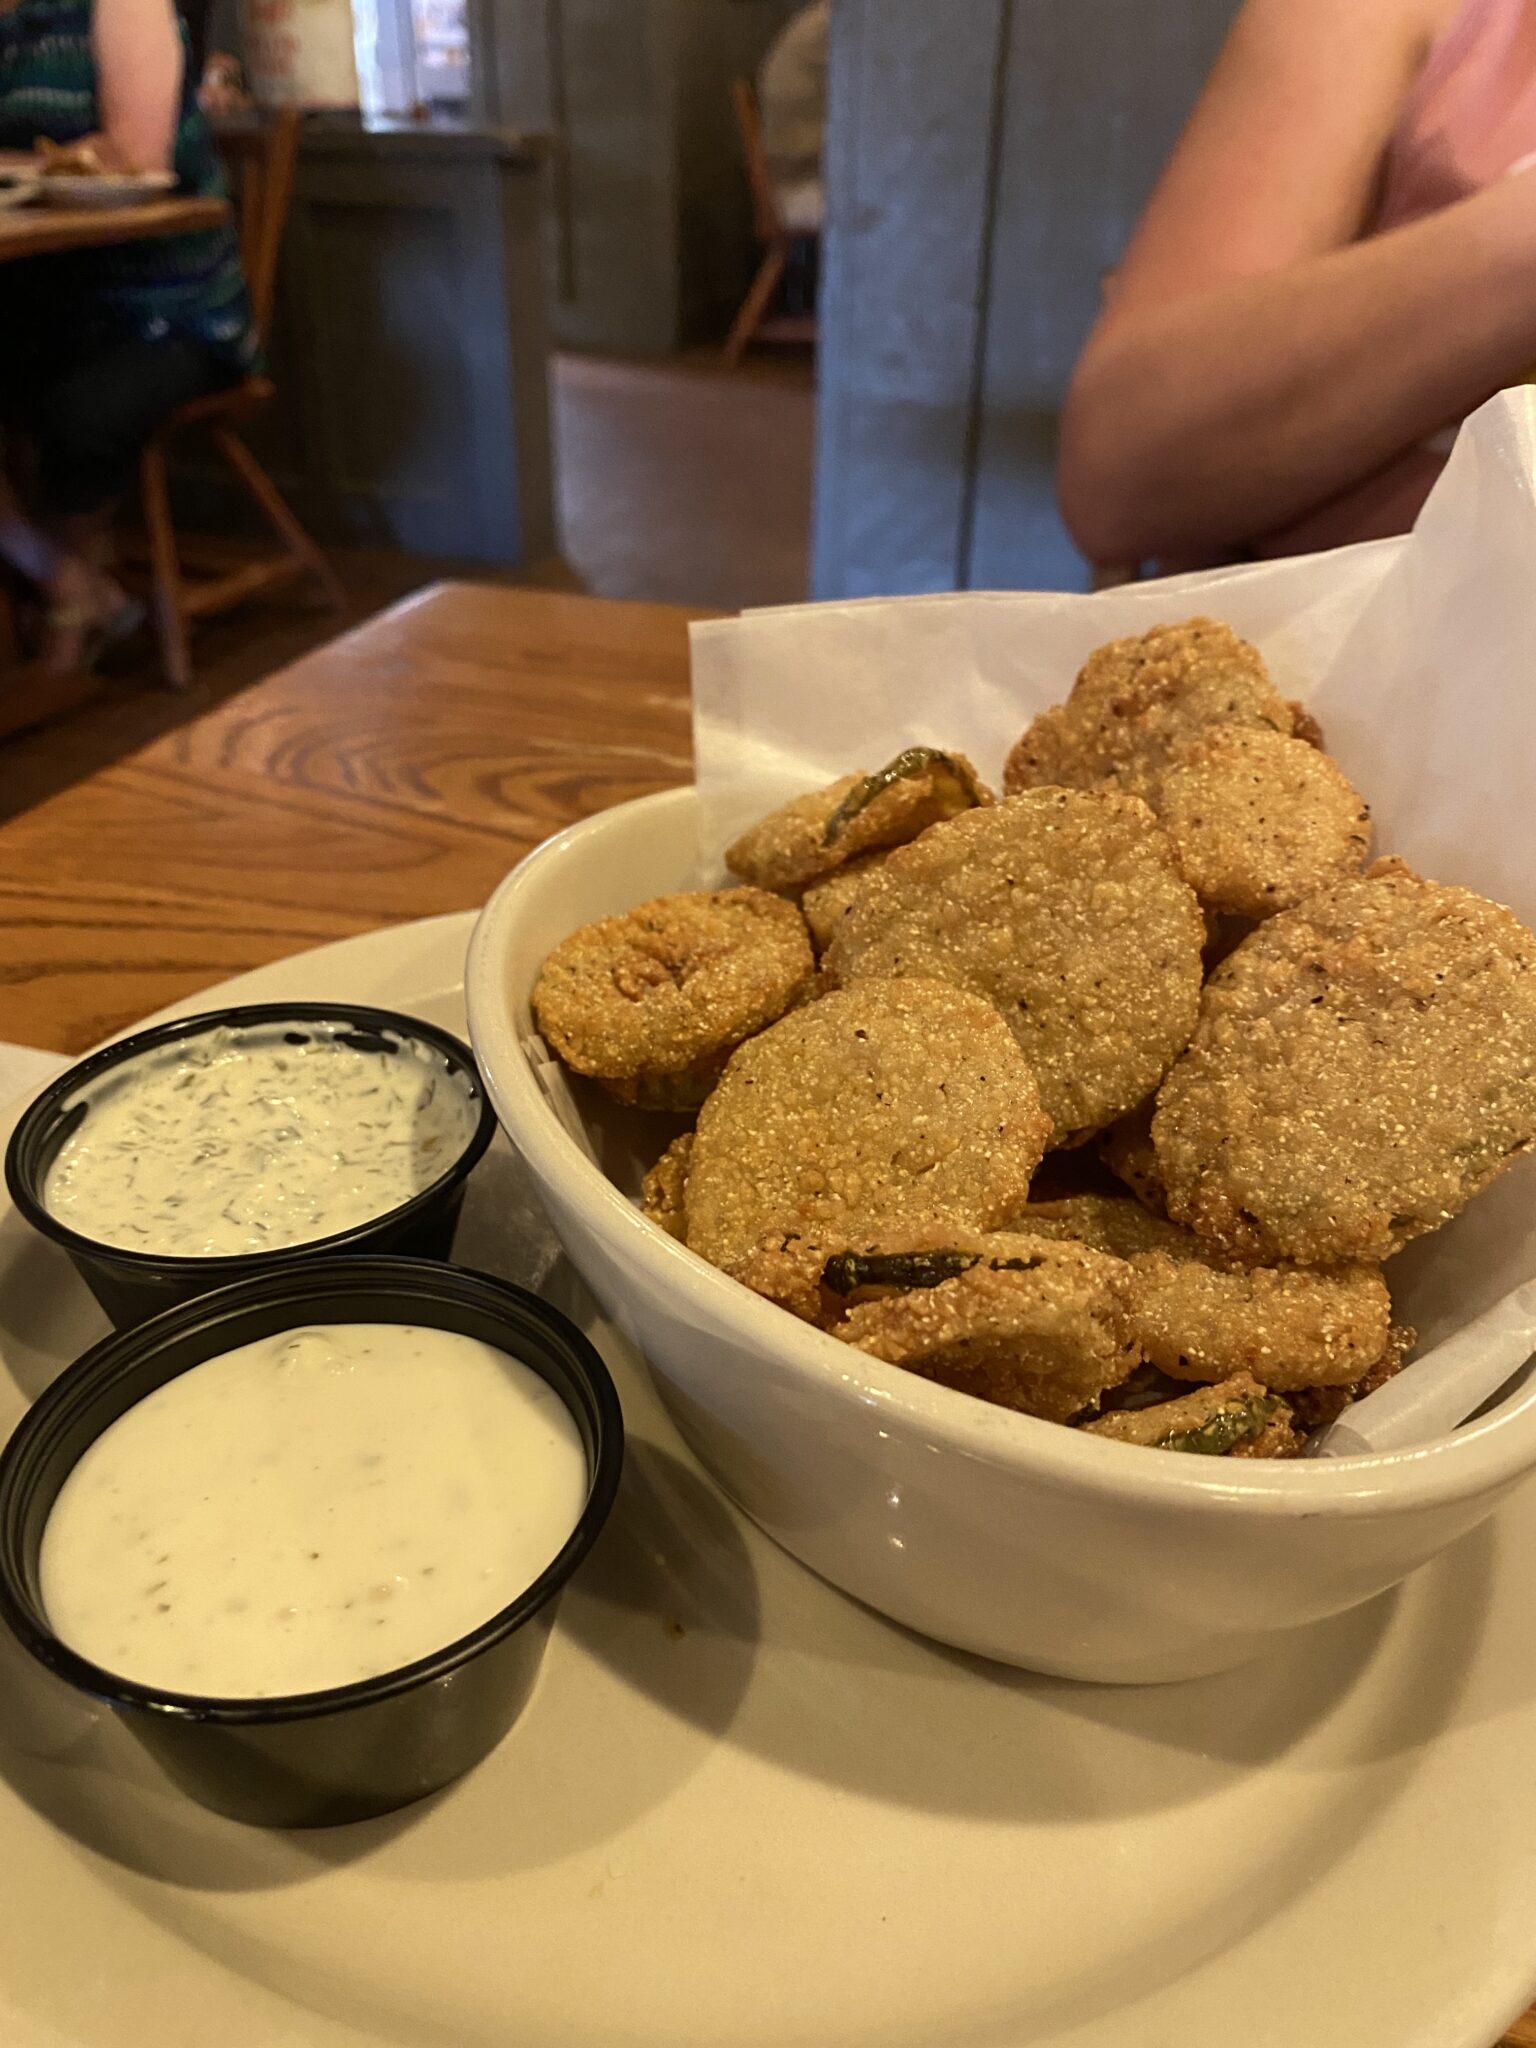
x: 1106, y: 498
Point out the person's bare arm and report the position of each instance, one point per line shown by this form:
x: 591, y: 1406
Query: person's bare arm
x: 1255, y: 359
x: 137, y: 48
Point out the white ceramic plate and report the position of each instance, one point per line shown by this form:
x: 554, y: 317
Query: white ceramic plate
x: 742, y: 1812
x: 109, y: 188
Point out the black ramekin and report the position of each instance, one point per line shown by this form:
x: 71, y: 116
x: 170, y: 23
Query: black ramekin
x: 131, y: 1285
x: 313, y: 1759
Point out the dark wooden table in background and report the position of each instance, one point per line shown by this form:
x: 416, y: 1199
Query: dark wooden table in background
x: 394, y: 774
x: 397, y: 773
x: 39, y: 230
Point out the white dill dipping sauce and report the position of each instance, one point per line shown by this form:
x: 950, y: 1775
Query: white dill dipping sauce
x: 254, y: 1138
x: 316, y: 1508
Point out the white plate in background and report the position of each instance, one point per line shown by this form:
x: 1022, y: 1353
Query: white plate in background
x: 108, y: 188
x: 743, y: 1812
x: 18, y: 188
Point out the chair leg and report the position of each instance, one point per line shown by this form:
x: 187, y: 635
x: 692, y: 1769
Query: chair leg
x: 274, y: 507
x: 164, y: 569
x: 754, y: 306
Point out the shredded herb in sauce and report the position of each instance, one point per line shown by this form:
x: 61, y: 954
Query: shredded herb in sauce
x: 253, y: 1140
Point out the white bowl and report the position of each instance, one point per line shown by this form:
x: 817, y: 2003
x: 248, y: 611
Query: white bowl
x: 1014, y: 1538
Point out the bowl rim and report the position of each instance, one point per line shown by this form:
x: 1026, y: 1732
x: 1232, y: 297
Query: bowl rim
x: 1495, y: 1449
x: 422, y: 1283
x: 230, y: 1266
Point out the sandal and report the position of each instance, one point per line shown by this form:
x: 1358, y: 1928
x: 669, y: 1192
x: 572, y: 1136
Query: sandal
x: 97, y: 634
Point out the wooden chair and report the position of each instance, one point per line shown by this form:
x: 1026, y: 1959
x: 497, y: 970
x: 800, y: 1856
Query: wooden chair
x: 754, y: 322
x: 266, y: 156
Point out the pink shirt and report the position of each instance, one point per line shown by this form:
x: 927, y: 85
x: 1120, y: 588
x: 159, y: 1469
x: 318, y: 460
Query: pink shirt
x: 1471, y: 117
x: 1469, y: 120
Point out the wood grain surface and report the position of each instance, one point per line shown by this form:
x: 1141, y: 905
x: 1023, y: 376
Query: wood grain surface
x: 39, y: 230
x: 394, y: 774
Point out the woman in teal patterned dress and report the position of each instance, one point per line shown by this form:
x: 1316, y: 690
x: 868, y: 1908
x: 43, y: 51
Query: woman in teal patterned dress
x: 97, y: 347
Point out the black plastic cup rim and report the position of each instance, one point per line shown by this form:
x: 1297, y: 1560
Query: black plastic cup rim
x: 421, y: 1281
x: 25, y: 1189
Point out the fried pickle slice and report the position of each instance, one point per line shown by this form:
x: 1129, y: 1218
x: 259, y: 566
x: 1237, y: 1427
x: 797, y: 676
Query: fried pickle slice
x: 1212, y: 1423
x: 814, y: 834
x: 1259, y: 820
x: 1316, y: 1407
x: 1199, y: 1315
x: 897, y: 1261
x: 889, y: 1103
x: 652, y: 1003
x: 1279, y: 1438
x: 664, y: 1191
x: 825, y: 903
x: 1363, y: 1065
x: 1126, y: 1148
x: 1066, y: 910
x: 1106, y: 1223
x: 1289, y: 1326
x: 1029, y: 1325
x: 1137, y: 701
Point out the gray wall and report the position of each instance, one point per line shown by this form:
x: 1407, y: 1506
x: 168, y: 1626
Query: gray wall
x: 650, y: 227
x: 598, y: 76
x: 409, y: 351
x: 986, y: 162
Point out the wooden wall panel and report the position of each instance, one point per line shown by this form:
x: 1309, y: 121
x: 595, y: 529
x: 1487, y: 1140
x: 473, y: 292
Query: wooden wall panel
x: 987, y: 161
x: 1093, y: 99
x: 909, y: 169
x: 410, y: 351
x: 650, y: 240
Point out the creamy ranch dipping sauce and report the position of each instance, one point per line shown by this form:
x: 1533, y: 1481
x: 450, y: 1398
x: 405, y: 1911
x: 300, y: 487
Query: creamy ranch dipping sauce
x: 249, y: 1140
x: 311, y: 1509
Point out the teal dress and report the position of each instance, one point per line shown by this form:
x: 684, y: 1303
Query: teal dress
x: 189, y: 286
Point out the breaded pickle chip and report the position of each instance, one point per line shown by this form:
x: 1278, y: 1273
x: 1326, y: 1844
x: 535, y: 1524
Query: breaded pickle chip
x: 1106, y: 1223
x: 814, y: 834
x: 652, y: 1003
x: 1030, y: 1325
x: 1200, y: 1315
x: 1317, y: 1406
x: 664, y: 1191
x: 1137, y: 701
x: 1290, y: 1326
x: 1214, y: 1423
x: 826, y: 903
x: 1126, y: 1148
x: 1363, y: 1065
x: 1279, y: 1438
x: 1066, y: 910
x: 893, y: 1102
x: 1260, y: 821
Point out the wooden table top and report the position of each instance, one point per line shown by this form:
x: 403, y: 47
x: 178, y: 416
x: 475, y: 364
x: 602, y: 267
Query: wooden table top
x: 39, y: 230
x: 397, y: 773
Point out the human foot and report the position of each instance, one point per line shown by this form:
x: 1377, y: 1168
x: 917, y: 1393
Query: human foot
x: 86, y: 610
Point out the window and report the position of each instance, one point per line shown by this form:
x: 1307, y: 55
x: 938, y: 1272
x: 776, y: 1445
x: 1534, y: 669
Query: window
x: 411, y: 53
x: 442, y: 52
